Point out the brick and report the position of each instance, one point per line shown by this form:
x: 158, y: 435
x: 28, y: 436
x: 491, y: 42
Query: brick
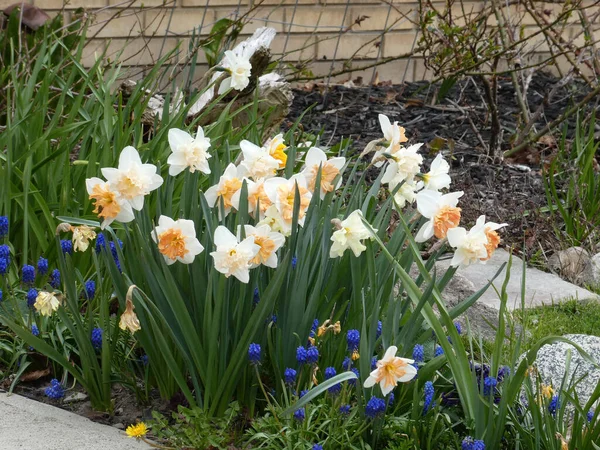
x: 377, y: 16
x: 420, y: 72
x: 68, y: 4
x: 182, y: 22
x: 143, y: 3
x: 349, y: 44
x: 260, y: 17
x: 397, y: 44
x: 321, y: 69
x: 535, y: 43
x: 317, y: 19
x: 305, y: 48
x: 112, y: 24
x: 211, y: 3
x: 140, y: 52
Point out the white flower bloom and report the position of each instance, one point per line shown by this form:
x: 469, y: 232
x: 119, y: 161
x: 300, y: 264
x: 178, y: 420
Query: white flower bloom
x: 393, y: 134
x: 390, y: 371
x: 46, y: 303
x: 282, y: 193
x: 407, y: 193
x: 469, y: 246
x: 233, y: 257
x: 229, y: 183
x: 437, y: 178
x: 276, y: 148
x: 257, y: 162
x: 269, y: 242
x: 177, y: 240
x: 315, y: 158
x: 108, y: 202
x: 350, y: 235
x: 188, y: 152
x: 82, y: 235
x: 405, y: 164
x: 240, y: 68
x: 133, y: 179
x: 272, y: 218
x: 441, y: 211
x: 493, y: 239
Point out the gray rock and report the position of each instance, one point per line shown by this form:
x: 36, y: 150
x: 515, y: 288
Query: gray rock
x: 76, y: 397
x: 541, y: 288
x: 551, y: 364
x: 594, y: 271
x: 572, y: 264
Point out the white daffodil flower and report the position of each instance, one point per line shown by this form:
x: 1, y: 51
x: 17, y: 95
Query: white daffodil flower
x: 239, y: 68
x: 393, y: 134
x: 437, y: 178
x: 330, y: 168
x: 470, y: 247
x: 82, y: 235
x: 405, y: 164
x: 233, y: 257
x: 441, y: 211
x: 188, y: 152
x: 493, y: 239
x: 407, y: 193
x: 282, y: 193
x: 257, y: 162
x: 352, y: 231
x: 390, y: 371
x: 272, y: 218
x: 46, y: 303
x: 229, y: 183
x: 109, y: 205
x: 269, y: 242
x: 177, y: 240
x: 276, y: 148
x: 133, y: 179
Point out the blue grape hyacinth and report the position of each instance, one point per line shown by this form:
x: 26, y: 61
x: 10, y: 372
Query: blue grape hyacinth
x: 469, y: 443
x: 31, y: 297
x: 35, y: 330
x: 90, y: 289
x: 375, y: 407
x: 97, y: 338
x: 428, y: 393
x: 55, y: 279
x: 42, y: 265
x: 66, y: 246
x: 3, y: 226
x: 418, y: 353
x: 353, y: 340
x: 330, y: 372
x: 289, y: 376
x: 55, y: 390
x: 254, y: 353
x: 301, y: 355
x: 312, y: 355
x: 299, y: 414
x: 28, y: 274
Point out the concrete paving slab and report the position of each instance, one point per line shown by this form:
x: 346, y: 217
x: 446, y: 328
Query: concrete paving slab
x: 27, y: 424
x: 541, y: 288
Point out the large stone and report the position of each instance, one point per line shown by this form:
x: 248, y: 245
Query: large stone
x: 27, y: 424
x: 594, y: 271
x: 572, y: 264
x: 551, y: 364
x: 541, y: 288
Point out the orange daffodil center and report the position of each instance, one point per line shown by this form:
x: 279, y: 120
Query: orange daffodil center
x: 390, y: 371
x: 446, y: 217
x: 316, y: 160
x: 105, y: 201
x: 177, y: 240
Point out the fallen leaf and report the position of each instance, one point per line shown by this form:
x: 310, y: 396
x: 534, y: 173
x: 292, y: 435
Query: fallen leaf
x: 35, y: 375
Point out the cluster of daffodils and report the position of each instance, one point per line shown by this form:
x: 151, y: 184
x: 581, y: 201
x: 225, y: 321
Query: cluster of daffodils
x: 271, y: 199
x: 404, y: 176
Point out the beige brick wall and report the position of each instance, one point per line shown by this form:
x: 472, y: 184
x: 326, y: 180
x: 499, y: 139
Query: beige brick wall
x: 308, y: 30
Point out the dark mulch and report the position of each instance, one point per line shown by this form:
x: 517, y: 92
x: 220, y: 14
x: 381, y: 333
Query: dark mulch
x: 511, y: 192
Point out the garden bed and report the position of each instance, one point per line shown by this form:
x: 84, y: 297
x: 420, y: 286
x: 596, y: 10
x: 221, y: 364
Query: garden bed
x: 511, y: 192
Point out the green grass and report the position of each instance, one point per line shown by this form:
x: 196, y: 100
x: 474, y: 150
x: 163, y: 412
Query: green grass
x: 569, y: 317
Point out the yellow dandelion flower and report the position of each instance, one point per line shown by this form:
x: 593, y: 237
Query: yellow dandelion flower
x: 137, y: 431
